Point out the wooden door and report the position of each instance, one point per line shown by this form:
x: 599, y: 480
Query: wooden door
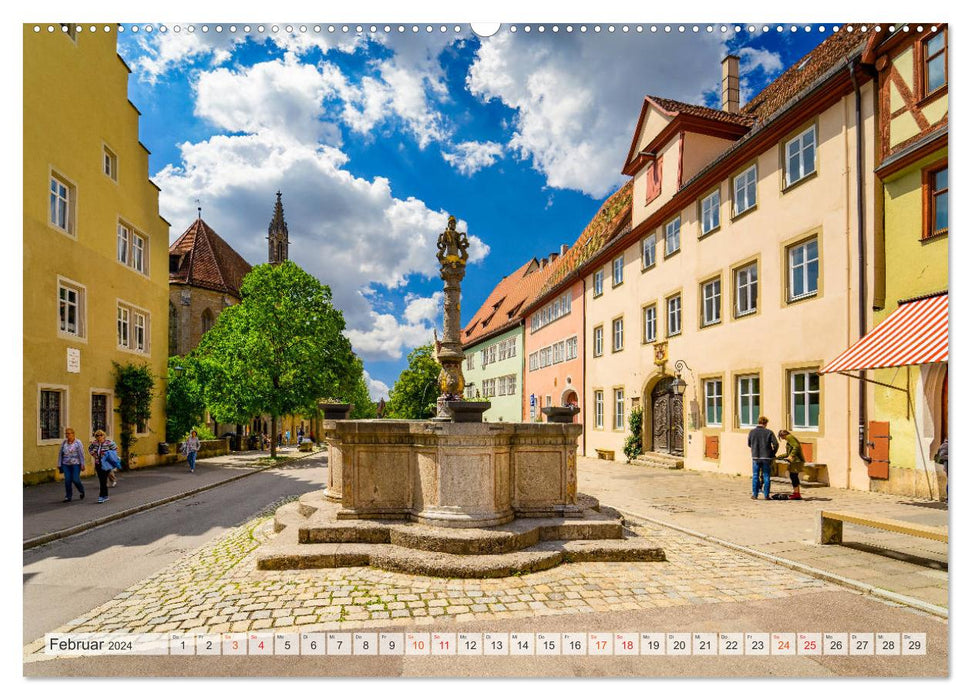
x: 879, y: 452
x: 668, y: 419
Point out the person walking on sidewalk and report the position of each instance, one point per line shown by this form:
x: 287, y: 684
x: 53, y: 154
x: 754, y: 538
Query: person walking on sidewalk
x: 796, y: 461
x: 191, y: 449
x: 70, y: 462
x: 764, y: 446
x: 98, y: 450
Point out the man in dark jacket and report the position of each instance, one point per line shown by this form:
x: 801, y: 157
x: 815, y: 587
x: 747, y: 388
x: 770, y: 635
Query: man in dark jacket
x: 764, y: 446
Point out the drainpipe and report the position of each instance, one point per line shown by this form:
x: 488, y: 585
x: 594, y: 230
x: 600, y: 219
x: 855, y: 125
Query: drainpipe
x: 583, y: 366
x: 861, y: 247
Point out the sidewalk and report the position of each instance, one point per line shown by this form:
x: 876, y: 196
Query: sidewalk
x: 719, y: 506
x: 45, y: 515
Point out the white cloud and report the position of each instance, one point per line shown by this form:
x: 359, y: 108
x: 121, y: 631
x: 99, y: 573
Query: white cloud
x: 469, y: 157
x: 376, y: 388
x: 759, y: 64
x: 418, y: 308
x: 387, y: 337
x: 577, y: 97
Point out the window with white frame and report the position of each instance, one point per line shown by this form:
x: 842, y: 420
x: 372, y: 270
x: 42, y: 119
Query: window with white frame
x: 804, y: 399
x: 649, y: 251
x: 674, y: 315
x: 110, y: 164
x: 744, y: 188
x: 558, y: 308
x: 492, y: 353
x: 70, y: 303
x: 711, y: 302
x: 618, y: 267
x: 53, y: 403
x: 598, y: 341
x: 62, y: 204
x: 617, y: 327
x: 533, y: 361
x: 650, y: 323
x: 571, y: 348
x: 713, y: 402
x: 672, y: 236
x: 710, y: 216
x: 470, y: 361
x: 139, y: 339
x: 801, y: 156
x: 124, y: 326
x: 598, y: 282
x: 618, y: 409
x: 503, y: 351
x: 803, y: 269
x: 598, y: 409
x: 134, y: 326
x: 131, y: 248
x: 746, y: 290
x: 747, y: 390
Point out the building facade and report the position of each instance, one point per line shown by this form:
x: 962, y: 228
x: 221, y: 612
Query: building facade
x: 95, y: 278
x: 739, y: 277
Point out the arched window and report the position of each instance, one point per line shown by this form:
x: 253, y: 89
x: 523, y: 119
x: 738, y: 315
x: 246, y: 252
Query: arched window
x: 173, y: 330
x: 207, y: 320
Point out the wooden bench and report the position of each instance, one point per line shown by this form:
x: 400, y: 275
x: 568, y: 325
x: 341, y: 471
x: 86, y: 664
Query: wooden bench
x: 605, y: 454
x: 830, y: 527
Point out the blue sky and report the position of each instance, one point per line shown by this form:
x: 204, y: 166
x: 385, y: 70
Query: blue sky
x: 374, y: 138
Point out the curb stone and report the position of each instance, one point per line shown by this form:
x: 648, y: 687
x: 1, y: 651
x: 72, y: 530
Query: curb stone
x: 67, y: 532
x: 866, y: 588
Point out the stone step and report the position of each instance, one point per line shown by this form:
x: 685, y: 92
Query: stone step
x: 634, y: 549
x: 442, y: 564
x: 658, y: 460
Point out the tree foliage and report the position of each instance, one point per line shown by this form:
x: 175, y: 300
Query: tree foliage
x: 354, y: 390
x: 185, y: 405
x: 134, y: 389
x: 633, y: 444
x: 416, y: 389
x: 278, y: 351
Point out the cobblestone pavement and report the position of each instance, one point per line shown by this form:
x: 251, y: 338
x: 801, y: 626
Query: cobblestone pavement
x: 217, y: 588
x: 719, y: 505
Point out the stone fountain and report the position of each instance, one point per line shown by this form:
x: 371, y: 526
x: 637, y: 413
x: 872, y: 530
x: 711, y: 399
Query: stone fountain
x: 451, y: 496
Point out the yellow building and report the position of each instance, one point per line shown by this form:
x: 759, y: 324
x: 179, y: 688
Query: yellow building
x: 95, y: 247
x: 908, y: 353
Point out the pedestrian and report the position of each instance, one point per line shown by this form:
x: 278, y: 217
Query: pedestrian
x: 764, y: 446
x: 288, y: 437
x: 941, y: 458
x: 796, y: 461
x: 70, y: 462
x: 190, y: 449
x: 300, y: 436
x: 99, y: 449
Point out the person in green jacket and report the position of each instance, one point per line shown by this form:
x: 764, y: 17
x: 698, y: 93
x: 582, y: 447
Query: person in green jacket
x: 795, y: 459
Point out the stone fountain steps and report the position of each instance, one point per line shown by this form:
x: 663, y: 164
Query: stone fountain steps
x: 310, y: 537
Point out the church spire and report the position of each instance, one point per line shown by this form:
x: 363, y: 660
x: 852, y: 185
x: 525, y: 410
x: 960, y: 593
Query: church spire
x: 279, y: 238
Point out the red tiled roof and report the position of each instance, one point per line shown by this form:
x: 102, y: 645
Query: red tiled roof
x: 675, y: 107
x: 206, y: 260
x: 503, y: 308
x: 805, y: 72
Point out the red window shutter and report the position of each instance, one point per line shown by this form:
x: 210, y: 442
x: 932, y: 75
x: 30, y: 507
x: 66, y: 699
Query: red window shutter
x: 654, y: 180
x: 711, y: 446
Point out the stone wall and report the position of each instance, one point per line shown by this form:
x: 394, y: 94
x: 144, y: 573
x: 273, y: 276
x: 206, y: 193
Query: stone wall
x: 190, y: 304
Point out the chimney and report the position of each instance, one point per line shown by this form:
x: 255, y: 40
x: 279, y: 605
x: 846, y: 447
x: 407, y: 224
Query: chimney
x: 542, y: 263
x: 730, y: 84
x: 563, y: 248
x: 554, y: 256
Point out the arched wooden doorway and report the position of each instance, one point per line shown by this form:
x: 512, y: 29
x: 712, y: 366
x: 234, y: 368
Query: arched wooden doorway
x: 667, y: 409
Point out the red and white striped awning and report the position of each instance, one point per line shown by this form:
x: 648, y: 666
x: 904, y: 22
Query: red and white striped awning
x: 914, y: 334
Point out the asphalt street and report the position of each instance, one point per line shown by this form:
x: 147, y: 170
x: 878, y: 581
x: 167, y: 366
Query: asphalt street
x: 68, y: 577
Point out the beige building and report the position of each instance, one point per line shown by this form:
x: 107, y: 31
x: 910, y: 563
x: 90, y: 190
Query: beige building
x: 740, y: 274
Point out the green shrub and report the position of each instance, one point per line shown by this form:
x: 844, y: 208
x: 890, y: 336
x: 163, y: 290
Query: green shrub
x: 633, y: 445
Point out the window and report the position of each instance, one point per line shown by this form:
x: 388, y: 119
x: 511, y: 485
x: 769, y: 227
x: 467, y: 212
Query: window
x: 131, y: 248
x: 618, y: 277
x: 124, y: 323
x: 936, y: 186
x: 133, y: 329
x: 710, y: 219
x: 62, y: 205
x: 803, y: 270
x: 549, y: 400
x: 935, y: 62
x: 110, y: 164
x: 558, y: 350
x: 648, y: 252
x: 618, y: 409
x: 801, y: 156
x: 492, y: 354
x: 503, y: 352
x: 598, y: 409
x: 571, y: 348
x: 804, y: 400
x: 511, y: 347
x: 598, y: 341
x: 713, y: 402
x: 747, y: 389
x: 653, y: 177
x: 650, y: 323
x: 672, y: 236
x: 744, y: 188
x: 746, y: 290
x: 470, y: 361
x: 598, y: 282
x: 70, y: 303
x: 533, y: 361
x: 99, y: 413
x: 711, y: 302
x: 674, y: 315
x: 52, y: 404
x: 618, y: 334
x: 485, y: 357
x: 139, y: 340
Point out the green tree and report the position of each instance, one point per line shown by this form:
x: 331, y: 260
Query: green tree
x: 278, y: 351
x: 354, y: 390
x: 185, y: 405
x: 416, y: 389
x: 134, y: 388
x: 632, y: 445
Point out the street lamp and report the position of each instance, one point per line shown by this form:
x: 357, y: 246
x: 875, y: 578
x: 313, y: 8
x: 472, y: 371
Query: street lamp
x: 680, y: 384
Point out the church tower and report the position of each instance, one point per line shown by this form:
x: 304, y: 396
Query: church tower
x: 279, y: 240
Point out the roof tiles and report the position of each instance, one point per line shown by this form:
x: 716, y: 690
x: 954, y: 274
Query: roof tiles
x: 206, y: 260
